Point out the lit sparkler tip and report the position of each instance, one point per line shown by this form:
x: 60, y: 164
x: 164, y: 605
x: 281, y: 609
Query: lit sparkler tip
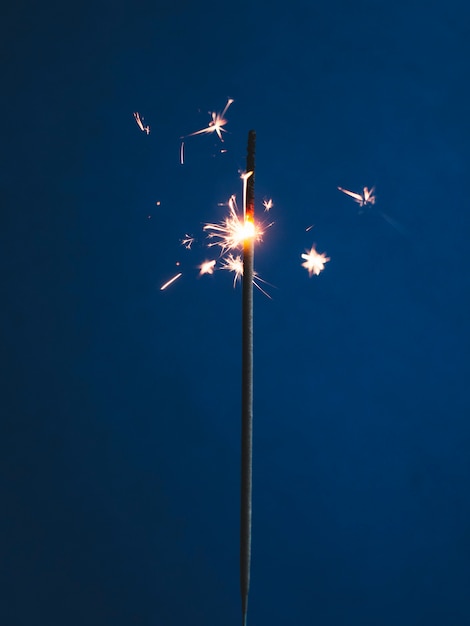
x: 172, y: 280
x: 233, y: 230
x: 314, y: 262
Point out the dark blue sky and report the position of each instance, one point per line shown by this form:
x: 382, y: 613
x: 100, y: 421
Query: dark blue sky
x: 121, y: 403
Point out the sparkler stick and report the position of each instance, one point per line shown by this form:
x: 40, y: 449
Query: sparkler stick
x: 247, y: 381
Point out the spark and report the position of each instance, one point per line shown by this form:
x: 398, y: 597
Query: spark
x: 140, y: 123
x: 309, y: 228
x: 216, y: 124
x: 182, y: 153
x: 233, y: 230
x: 367, y: 196
x: 314, y: 262
x: 235, y: 264
x: 188, y: 241
x: 245, y: 176
x: 158, y: 202
x: 268, y: 204
x: 172, y: 280
x: 207, y: 267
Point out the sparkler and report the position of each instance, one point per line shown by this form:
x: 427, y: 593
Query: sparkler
x: 247, y: 378
x: 140, y: 123
x: 216, y: 124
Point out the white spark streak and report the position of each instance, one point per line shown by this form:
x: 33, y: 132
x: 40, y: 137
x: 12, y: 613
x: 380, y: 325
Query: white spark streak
x: 216, y: 124
x: 140, y: 123
x: 172, y: 280
x: 367, y: 196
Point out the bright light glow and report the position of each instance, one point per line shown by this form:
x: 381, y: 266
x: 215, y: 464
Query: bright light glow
x: 140, y: 123
x: 216, y: 124
x: 233, y: 230
x: 367, y: 196
x: 314, y: 262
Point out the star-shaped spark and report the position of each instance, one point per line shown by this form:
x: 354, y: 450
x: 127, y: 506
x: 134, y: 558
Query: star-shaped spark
x: 367, y: 196
x: 232, y: 231
x: 268, y: 204
x: 207, y: 267
x: 216, y: 124
x: 314, y: 262
x: 140, y: 123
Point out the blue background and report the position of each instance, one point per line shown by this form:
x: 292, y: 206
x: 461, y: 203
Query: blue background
x: 121, y: 403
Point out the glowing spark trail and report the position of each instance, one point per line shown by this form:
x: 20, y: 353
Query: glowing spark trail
x: 182, y: 153
x: 172, y: 280
x: 140, y: 123
x: 216, y: 124
x: 367, y: 196
x: 314, y: 262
